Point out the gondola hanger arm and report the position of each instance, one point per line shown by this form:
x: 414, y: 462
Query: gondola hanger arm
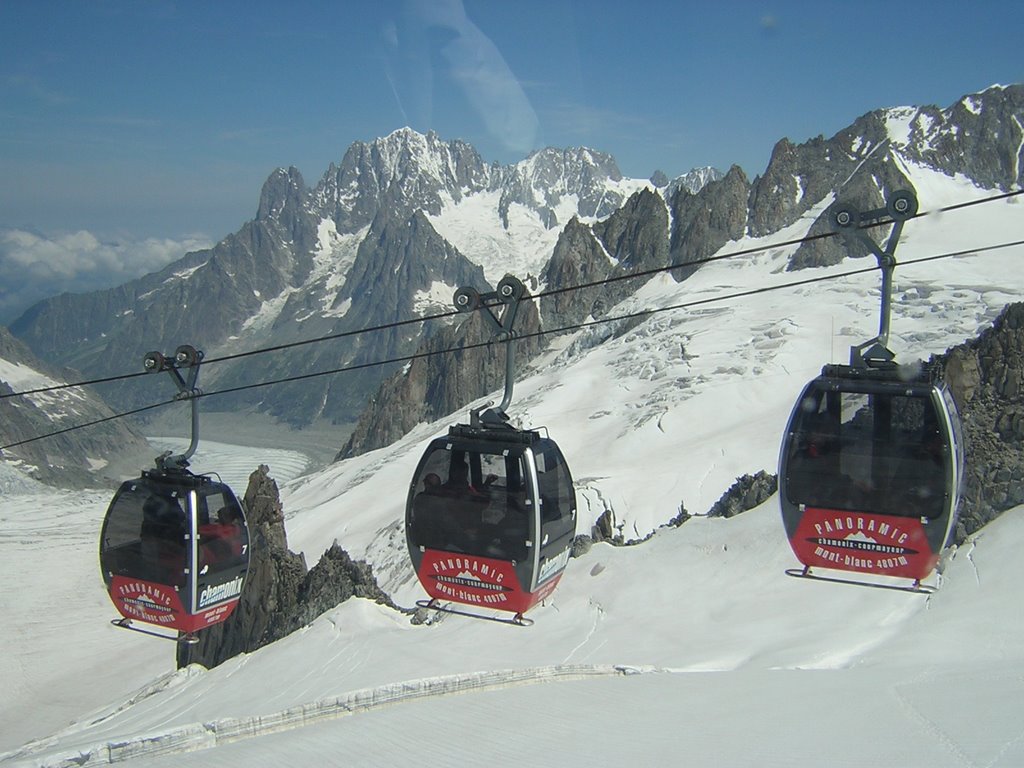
x: 851, y: 225
x: 509, y: 292
x: 188, y: 358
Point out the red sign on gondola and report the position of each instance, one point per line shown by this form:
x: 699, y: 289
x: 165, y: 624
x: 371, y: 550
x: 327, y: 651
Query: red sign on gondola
x: 869, y: 543
x: 481, y: 581
x: 147, y: 601
x: 160, y: 605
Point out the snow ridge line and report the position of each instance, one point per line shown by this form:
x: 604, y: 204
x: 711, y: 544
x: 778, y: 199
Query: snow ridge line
x: 198, y: 736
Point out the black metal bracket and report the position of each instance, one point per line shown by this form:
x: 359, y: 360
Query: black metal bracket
x: 851, y: 225
x: 189, y: 358
x: 509, y: 292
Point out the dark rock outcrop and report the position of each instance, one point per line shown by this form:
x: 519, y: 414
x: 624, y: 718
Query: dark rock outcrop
x: 578, y: 259
x: 450, y: 369
x: 986, y: 376
x: 632, y: 240
x: 704, y: 222
x: 746, y: 493
x: 279, y: 595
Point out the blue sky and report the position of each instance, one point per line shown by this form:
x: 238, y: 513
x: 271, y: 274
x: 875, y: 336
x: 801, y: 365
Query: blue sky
x: 157, y: 121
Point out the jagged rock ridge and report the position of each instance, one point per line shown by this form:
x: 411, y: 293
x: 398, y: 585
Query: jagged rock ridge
x: 986, y: 375
x: 280, y: 594
x: 861, y: 165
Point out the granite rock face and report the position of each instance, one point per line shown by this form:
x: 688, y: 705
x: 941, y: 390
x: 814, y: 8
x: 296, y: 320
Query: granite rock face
x: 280, y: 594
x: 986, y: 376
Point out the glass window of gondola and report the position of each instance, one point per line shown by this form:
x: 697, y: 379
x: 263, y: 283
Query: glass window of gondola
x: 473, y: 502
x: 878, y: 452
x: 144, y: 536
x: 223, y: 536
x: 557, y: 498
x: 956, y: 434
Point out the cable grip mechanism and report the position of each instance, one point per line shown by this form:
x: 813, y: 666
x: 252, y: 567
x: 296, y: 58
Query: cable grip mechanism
x: 509, y: 292
x: 851, y: 225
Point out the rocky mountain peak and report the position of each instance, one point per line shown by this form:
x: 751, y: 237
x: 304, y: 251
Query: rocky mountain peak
x: 283, y: 191
x: 550, y: 178
x: 692, y: 181
x: 980, y: 136
x: 403, y: 171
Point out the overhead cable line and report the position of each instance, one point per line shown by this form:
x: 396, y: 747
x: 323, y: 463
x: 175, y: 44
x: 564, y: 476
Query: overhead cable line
x: 542, y: 294
x: 88, y: 424
x: 639, y: 314
x: 969, y: 203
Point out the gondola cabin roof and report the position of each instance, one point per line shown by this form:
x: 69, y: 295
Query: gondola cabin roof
x: 181, y: 478
x: 910, y: 375
x: 508, y: 435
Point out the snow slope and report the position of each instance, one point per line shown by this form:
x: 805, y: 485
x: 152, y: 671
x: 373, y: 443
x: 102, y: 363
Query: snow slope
x: 691, y: 645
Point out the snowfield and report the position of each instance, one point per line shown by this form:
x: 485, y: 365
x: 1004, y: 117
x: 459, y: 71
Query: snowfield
x: 692, y: 647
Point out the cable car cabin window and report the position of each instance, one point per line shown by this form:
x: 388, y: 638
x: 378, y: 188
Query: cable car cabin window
x: 474, y: 503
x: 144, y: 537
x: 557, y: 497
x: 956, y: 434
x: 881, y: 453
x: 223, y: 539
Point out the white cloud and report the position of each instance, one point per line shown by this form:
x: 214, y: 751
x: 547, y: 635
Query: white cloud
x: 35, y: 266
x: 433, y: 44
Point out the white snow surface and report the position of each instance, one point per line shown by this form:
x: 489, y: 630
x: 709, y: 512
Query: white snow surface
x: 692, y: 647
x: 60, y: 404
x: 474, y: 228
x: 522, y: 248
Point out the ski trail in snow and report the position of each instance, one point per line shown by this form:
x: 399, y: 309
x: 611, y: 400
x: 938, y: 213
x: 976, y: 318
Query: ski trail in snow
x: 929, y: 726
x: 598, y: 618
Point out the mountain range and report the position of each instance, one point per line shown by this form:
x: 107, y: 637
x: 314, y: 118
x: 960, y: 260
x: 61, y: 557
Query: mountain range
x: 388, y: 235
x: 364, y: 247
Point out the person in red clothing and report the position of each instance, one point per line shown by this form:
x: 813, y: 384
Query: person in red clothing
x: 222, y: 540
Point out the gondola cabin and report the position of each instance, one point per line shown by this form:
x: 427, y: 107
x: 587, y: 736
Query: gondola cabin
x: 174, y: 550
x: 870, y: 472
x: 490, y: 518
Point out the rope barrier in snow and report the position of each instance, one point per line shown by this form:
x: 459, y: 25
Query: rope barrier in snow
x: 199, y: 736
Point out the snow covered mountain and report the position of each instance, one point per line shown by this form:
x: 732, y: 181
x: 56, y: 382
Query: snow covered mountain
x: 83, y: 457
x: 655, y: 416
x: 387, y: 235
x: 390, y: 232
x: 882, y: 152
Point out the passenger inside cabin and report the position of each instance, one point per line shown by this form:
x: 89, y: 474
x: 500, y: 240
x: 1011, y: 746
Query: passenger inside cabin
x: 162, y: 537
x: 430, y: 521
x: 222, y: 541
